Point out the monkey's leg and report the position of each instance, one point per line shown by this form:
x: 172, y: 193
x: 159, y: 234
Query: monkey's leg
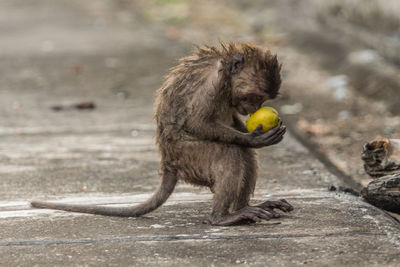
x: 249, y: 181
x: 233, y: 189
x: 250, y: 175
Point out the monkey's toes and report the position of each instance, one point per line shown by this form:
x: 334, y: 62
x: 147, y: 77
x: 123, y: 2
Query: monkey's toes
x: 249, y: 214
x: 285, y: 205
x: 273, y: 213
x: 281, y: 204
x: 254, y: 213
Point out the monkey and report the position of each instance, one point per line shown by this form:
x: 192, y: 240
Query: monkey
x: 202, y: 139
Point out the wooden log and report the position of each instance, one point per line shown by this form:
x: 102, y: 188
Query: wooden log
x: 381, y: 157
x: 384, y: 192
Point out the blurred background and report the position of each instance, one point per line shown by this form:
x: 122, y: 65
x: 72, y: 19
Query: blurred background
x: 79, y: 66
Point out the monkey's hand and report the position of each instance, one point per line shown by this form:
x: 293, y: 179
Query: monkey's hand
x: 272, y: 137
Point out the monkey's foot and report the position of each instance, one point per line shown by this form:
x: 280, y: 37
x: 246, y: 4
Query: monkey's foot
x: 248, y: 214
x: 269, y: 206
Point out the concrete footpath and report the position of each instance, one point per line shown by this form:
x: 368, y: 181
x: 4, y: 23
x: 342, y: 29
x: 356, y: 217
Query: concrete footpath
x: 107, y: 155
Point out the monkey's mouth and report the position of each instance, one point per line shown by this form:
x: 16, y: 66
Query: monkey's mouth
x: 246, y: 110
x: 242, y: 110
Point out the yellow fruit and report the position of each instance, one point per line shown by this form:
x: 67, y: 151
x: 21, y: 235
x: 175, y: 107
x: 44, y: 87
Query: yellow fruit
x: 267, y: 116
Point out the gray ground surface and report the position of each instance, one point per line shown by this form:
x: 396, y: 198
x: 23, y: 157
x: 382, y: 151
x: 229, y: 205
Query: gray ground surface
x: 63, y: 52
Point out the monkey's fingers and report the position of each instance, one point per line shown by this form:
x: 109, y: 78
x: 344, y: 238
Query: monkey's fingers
x: 276, y: 131
x: 275, y: 137
x: 258, y: 130
x: 278, y: 138
x: 280, y: 124
x: 281, y: 131
x: 271, y: 137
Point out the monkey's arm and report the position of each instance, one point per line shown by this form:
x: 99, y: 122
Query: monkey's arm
x: 220, y: 132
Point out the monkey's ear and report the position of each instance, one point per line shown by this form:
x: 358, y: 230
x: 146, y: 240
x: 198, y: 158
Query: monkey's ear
x: 236, y: 64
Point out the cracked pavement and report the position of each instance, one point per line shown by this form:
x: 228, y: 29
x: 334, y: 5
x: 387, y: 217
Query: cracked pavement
x: 107, y: 155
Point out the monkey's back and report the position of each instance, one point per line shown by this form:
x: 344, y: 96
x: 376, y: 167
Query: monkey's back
x: 175, y: 99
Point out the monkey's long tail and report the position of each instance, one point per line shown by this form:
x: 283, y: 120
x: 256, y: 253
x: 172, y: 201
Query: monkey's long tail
x: 164, y: 190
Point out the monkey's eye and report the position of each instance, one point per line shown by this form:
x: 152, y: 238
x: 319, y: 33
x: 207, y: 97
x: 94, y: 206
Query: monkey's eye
x: 258, y: 98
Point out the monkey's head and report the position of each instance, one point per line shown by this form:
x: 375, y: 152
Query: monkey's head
x: 255, y: 78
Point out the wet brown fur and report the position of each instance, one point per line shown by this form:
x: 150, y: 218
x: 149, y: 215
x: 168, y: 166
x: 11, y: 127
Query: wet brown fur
x: 200, y: 137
